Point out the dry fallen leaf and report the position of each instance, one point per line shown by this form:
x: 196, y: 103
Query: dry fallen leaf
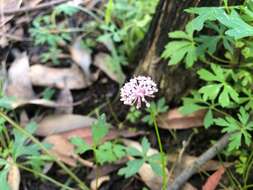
x: 213, y: 181
x: 64, y: 98
x: 102, y: 61
x: 41, y: 102
x: 81, y: 56
x: 72, y: 77
x: 175, y: 120
x: 13, y: 175
x: 19, y: 82
x: 62, y: 149
x: 61, y: 123
x: 31, y: 3
x: 8, y: 5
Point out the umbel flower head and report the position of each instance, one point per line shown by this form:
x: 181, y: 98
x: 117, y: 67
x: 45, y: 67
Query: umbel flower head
x: 135, y: 91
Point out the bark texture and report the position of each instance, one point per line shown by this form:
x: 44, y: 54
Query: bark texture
x: 174, y: 81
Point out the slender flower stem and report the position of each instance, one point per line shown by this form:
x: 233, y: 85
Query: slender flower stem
x: 43, y: 148
x: 163, y: 159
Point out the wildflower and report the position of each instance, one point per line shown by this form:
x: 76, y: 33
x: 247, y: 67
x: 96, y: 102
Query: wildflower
x: 135, y: 91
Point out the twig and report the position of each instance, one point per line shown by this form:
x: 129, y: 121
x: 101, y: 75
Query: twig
x: 28, y: 9
x: 206, y: 156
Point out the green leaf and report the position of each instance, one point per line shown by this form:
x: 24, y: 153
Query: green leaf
x: 3, y: 179
x: 133, y: 166
x: 145, y: 145
x: 81, y: 145
x: 208, y: 120
x: 99, y: 130
x: 6, y: 102
x: 133, y: 151
x: 237, y: 27
x: 176, y: 51
x: 189, y: 108
x: 206, y: 75
x: 210, y: 91
x: 180, y: 35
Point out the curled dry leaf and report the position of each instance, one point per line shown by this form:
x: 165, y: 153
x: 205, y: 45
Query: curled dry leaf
x: 61, y: 123
x: 102, y: 61
x: 72, y: 77
x: 175, y: 120
x: 41, y: 102
x: 13, y: 175
x: 8, y: 5
x: 213, y: 181
x: 96, y: 183
x: 81, y: 56
x: 19, y: 83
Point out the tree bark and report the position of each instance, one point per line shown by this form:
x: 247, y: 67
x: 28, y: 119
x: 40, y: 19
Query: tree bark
x: 174, y: 81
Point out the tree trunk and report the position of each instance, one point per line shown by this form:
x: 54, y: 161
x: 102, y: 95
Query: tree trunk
x: 174, y: 81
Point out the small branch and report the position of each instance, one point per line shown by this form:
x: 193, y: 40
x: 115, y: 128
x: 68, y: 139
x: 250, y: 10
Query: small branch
x: 29, y: 9
x: 206, y: 156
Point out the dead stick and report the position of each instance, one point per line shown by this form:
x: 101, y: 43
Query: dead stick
x: 206, y: 156
x: 40, y: 6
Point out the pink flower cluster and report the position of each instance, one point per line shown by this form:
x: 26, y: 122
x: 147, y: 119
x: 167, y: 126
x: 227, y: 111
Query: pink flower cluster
x: 135, y: 91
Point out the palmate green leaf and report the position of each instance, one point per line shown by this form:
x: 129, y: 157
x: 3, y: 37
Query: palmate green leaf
x: 99, y: 129
x: 238, y: 28
x: 228, y: 93
x: 145, y: 145
x: 6, y: 102
x: 21, y: 147
x: 180, y: 35
x: 208, y: 119
x: 3, y: 179
x: 192, y: 104
x: 209, y: 43
x: 132, y: 168
x: 204, y: 14
x: 177, y: 51
x: 210, y: 91
x: 155, y: 162
x: 109, y: 152
x: 81, y: 145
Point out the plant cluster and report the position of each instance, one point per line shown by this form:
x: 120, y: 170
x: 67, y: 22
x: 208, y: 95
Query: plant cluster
x: 217, y: 44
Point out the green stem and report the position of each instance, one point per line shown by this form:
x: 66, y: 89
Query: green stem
x: 44, y: 177
x: 163, y: 160
x: 43, y: 148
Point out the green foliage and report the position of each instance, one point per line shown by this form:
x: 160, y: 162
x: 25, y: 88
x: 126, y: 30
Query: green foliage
x: 133, y: 115
x: 219, y: 39
x: 104, y: 152
x: 45, y: 31
x: 48, y: 93
x: 155, y: 109
x: 239, y: 129
x: 141, y: 157
x: 218, y: 86
x: 183, y: 49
